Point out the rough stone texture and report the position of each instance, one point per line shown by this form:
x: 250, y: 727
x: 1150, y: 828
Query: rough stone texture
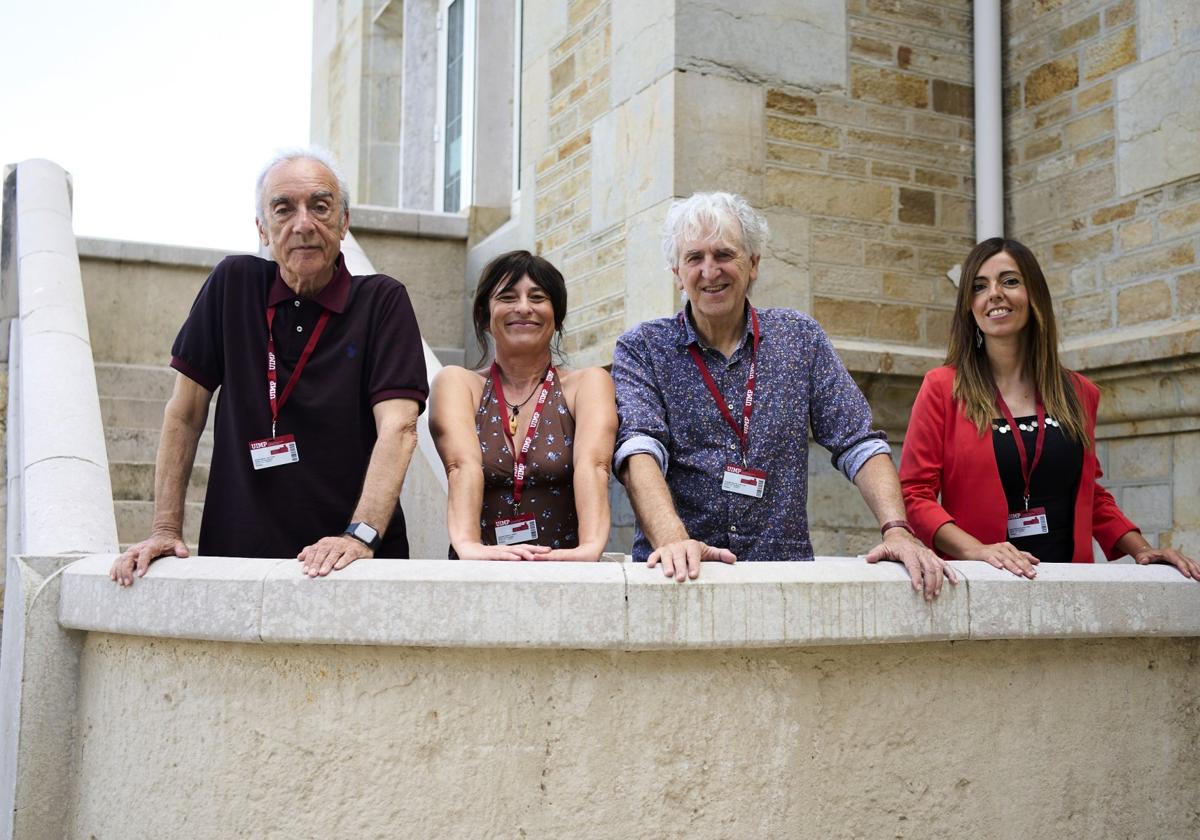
x: 889, y: 87
x: 1050, y: 80
x: 1087, y: 599
x: 1164, y: 25
x: 1158, y: 119
x: 1144, y: 302
x: 917, y: 207
x: 633, y: 154
x: 757, y: 43
x: 827, y: 195
x: 1107, y: 55
x: 521, y: 739
x: 432, y: 271
x: 643, y: 36
x: 154, y: 296
x: 718, y: 154
x: 39, y: 680
x: 951, y: 98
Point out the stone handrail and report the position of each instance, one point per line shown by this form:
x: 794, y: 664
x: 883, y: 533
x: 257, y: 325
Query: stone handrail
x: 60, y: 496
x: 619, y: 605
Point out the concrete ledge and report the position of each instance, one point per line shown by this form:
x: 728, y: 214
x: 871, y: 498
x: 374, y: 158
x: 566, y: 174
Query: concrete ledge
x: 119, y: 250
x: 368, y: 218
x: 441, y: 603
x: 1132, y: 346
x: 1069, y: 600
x: 883, y: 357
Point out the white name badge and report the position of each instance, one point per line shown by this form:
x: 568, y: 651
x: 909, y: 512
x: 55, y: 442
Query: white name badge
x: 518, y: 529
x: 744, y: 481
x: 273, y: 452
x: 1026, y: 523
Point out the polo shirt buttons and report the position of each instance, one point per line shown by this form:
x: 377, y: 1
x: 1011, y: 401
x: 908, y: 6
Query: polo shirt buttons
x: 296, y: 303
x: 733, y: 529
x: 299, y: 328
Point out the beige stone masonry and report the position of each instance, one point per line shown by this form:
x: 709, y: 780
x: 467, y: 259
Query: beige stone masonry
x: 615, y: 605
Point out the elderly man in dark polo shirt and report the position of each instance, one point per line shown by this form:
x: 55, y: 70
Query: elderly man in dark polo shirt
x: 322, y: 376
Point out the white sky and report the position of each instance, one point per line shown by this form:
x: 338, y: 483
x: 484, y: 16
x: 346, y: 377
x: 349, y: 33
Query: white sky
x: 161, y: 110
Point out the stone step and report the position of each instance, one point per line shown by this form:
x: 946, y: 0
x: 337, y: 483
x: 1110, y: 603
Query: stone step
x: 135, y: 519
x: 131, y: 412
x: 136, y: 413
x: 150, y: 382
x: 134, y: 481
x: 141, y: 446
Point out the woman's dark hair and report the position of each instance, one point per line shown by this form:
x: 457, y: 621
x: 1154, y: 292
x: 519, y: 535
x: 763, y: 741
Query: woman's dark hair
x: 506, y: 271
x: 973, y: 384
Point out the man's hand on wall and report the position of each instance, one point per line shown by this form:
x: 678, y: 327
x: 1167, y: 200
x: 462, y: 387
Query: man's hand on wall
x: 924, y: 567
x: 330, y: 554
x: 136, y: 559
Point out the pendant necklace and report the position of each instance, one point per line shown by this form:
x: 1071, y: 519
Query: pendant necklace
x: 516, y: 409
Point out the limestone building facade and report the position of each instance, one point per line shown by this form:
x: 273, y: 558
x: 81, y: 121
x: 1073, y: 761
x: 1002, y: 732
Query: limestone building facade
x: 568, y: 126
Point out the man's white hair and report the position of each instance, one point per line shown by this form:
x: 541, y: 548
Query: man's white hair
x: 703, y: 214
x: 315, y: 153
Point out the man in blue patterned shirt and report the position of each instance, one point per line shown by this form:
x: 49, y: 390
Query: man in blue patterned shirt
x: 716, y: 404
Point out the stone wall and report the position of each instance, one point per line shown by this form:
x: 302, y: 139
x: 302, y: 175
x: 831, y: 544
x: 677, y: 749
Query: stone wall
x: 1104, y: 185
x: 1103, y: 163
x: 866, y: 178
x: 473, y: 698
x: 880, y: 174
x: 572, y: 76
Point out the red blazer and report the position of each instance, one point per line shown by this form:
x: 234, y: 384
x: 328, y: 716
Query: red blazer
x: 945, y: 454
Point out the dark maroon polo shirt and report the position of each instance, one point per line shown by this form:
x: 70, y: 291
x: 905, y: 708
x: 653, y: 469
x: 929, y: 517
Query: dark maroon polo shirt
x: 370, y: 351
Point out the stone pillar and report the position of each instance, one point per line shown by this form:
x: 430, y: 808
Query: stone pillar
x: 39, y: 677
x: 418, y: 105
x: 358, y: 67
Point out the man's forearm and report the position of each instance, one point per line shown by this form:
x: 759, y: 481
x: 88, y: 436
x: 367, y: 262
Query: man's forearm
x: 879, y: 484
x: 172, y: 470
x: 652, y: 502
x: 385, y: 472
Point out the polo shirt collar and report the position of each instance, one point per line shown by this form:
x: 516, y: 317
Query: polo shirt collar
x: 333, y: 297
x: 687, y: 334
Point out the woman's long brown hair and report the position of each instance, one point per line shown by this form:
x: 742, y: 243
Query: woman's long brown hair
x: 974, y: 386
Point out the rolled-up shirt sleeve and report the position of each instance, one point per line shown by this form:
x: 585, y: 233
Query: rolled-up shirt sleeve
x: 640, y: 406
x: 839, y: 413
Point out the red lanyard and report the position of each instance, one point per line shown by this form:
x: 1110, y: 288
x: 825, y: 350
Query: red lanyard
x: 530, y: 433
x: 272, y: 375
x: 1027, y: 468
x: 743, y: 430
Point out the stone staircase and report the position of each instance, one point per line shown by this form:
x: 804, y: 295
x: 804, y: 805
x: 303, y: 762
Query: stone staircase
x: 131, y: 404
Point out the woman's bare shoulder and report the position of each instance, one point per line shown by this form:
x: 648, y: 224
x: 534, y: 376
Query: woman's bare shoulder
x: 454, y: 377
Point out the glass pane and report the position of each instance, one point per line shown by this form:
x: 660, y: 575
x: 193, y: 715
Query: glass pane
x: 454, y: 116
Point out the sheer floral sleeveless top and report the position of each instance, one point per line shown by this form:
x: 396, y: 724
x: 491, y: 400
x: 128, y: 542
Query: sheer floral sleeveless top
x: 548, y: 492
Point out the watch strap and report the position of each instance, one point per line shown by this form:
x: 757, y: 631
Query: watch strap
x: 365, y: 534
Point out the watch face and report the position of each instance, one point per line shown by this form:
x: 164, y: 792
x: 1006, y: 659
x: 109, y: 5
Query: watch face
x: 363, y: 532
x: 366, y: 531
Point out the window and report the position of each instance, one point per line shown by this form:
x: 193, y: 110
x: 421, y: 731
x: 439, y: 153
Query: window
x: 456, y: 83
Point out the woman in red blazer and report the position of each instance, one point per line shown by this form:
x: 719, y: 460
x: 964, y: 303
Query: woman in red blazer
x: 1006, y: 436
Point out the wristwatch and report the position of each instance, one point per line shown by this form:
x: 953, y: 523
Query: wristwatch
x: 365, y: 534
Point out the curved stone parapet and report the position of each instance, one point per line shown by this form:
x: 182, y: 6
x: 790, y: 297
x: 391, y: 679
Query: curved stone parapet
x: 60, y: 498
x: 619, y: 605
x: 444, y: 698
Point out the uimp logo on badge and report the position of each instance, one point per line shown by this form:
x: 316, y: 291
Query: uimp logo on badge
x: 273, y: 452
x: 516, y: 529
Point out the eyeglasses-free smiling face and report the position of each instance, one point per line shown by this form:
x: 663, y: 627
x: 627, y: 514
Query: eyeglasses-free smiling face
x: 521, y: 314
x: 716, y: 273
x: 305, y: 223
x: 999, y: 297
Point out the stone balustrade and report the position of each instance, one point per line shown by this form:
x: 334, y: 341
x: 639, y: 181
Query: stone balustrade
x: 619, y: 605
x: 222, y: 697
